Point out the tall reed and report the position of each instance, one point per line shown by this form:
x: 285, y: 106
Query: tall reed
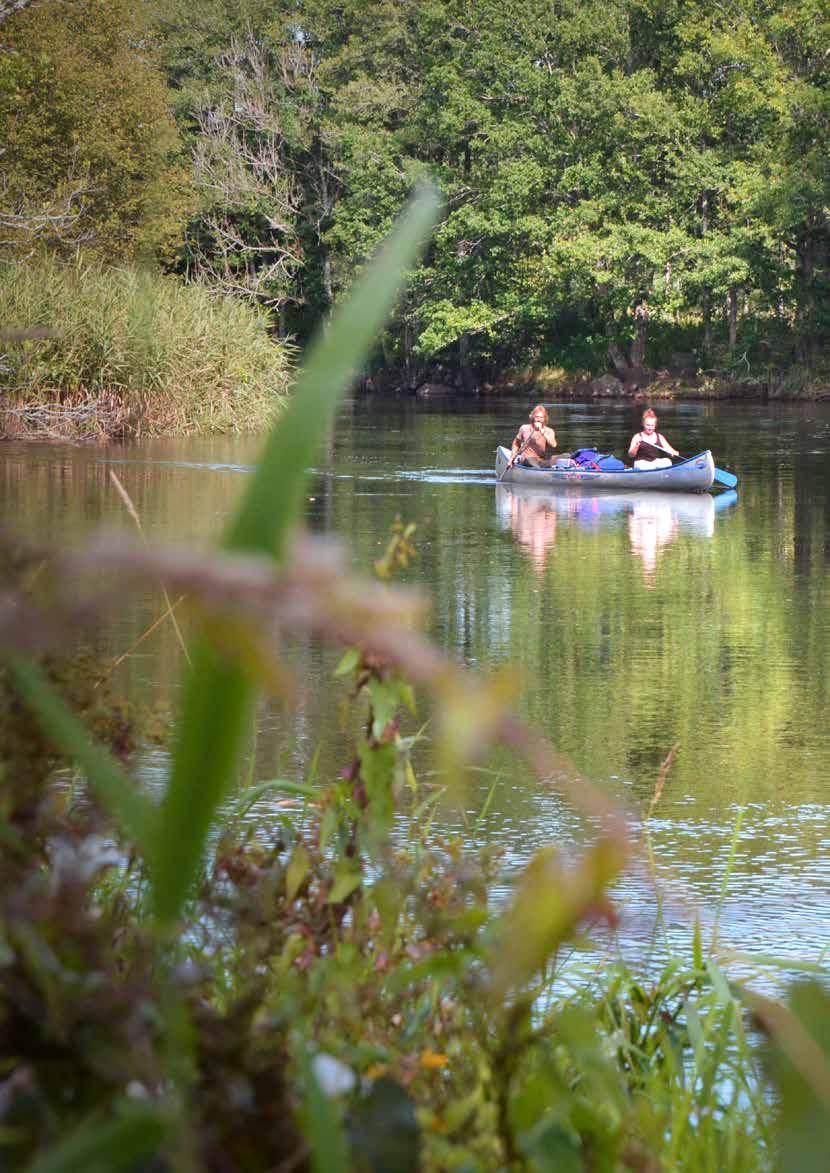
x: 135, y: 351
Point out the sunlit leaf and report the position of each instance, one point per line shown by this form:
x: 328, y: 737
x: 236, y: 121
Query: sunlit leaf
x: 549, y: 903
x: 433, y: 1060
x: 348, y: 663
x: 697, y: 946
x: 385, y: 698
x: 346, y: 879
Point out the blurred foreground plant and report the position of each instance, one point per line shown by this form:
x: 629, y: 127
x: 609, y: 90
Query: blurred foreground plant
x: 336, y: 990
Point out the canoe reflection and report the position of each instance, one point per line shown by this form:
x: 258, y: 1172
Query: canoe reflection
x: 654, y: 519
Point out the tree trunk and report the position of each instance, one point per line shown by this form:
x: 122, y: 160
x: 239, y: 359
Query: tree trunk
x: 618, y: 360
x: 707, y: 320
x: 732, y: 317
x: 638, y: 343
x: 327, y: 289
x: 805, y: 304
x: 706, y: 299
x: 326, y: 199
x: 407, y: 353
x: 467, y: 378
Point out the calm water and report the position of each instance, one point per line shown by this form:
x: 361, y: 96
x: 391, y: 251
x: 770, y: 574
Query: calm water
x: 639, y: 622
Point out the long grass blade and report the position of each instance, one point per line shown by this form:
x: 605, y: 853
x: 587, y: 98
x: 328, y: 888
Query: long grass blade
x: 107, y: 1146
x: 219, y: 693
x: 323, y: 1127
x: 272, y: 501
x: 113, y: 789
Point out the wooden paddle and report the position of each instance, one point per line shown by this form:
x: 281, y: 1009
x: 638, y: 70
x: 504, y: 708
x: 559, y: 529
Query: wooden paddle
x: 727, y: 479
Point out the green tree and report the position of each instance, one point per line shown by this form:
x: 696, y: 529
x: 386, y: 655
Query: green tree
x: 617, y: 174
x: 90, y: 145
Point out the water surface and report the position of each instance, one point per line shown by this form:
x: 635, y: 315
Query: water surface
x: 639, y: 622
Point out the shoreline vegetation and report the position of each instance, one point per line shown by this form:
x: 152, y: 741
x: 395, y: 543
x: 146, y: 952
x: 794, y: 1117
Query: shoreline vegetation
x: 636, y: 191
x: 796, y: 384
x: 112, y: 353
x: 533, y: 382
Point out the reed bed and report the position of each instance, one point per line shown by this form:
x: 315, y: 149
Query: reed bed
x: 89, y: 351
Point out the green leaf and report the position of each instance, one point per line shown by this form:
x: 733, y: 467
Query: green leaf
x: 697, y: 946
x: 323, y: 1127
x: 328, y: 825
x: 384, y: 1131
x: 284, y: 785
x: 298, y: 868
x: 385, y: 698
x: 107, y: 1146
x: 377, y: 769
x: 720, y: 985
x: 550, y: 900
x: 799, y: 1059
x: 346, y: 879
x: 349, y: 662
x: 219, y: 691
x: 388, y: 902
x: 694, y: 1028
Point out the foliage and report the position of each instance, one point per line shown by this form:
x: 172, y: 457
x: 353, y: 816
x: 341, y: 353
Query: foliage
x: 611, y: 172
x: 328, y: 965
x: 90, y: 146
x: 624, y: 181
x: 153, y: 355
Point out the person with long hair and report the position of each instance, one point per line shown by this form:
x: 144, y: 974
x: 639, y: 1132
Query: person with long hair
x: 534, y: 443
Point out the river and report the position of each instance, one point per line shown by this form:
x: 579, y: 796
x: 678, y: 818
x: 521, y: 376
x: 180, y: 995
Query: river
x: 639, y: 623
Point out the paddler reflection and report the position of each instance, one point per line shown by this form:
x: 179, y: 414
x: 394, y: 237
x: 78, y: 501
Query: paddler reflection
x: 654, y: 520
x: 532, y: 521
x: 651, y: 526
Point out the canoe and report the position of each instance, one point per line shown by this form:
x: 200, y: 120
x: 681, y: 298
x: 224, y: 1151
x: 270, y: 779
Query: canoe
x: 695, y: 475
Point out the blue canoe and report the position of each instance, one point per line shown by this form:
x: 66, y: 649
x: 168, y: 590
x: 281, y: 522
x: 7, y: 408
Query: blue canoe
x: 695, y: 475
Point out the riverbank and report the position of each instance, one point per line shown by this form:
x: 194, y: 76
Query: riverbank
x: 90, y: 352
x: 793, y: 385
x: 438, y: 382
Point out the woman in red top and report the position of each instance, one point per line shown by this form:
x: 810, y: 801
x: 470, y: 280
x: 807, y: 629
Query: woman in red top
x: 650, y: 436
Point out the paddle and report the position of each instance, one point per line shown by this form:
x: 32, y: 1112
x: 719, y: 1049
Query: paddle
x: 727, y: 479
x: 513, y: 459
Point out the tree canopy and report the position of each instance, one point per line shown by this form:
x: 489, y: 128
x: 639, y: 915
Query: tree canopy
x: 624, y: 179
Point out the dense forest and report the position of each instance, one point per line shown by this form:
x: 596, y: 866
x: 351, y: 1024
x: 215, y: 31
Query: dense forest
x: 629, y: 185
